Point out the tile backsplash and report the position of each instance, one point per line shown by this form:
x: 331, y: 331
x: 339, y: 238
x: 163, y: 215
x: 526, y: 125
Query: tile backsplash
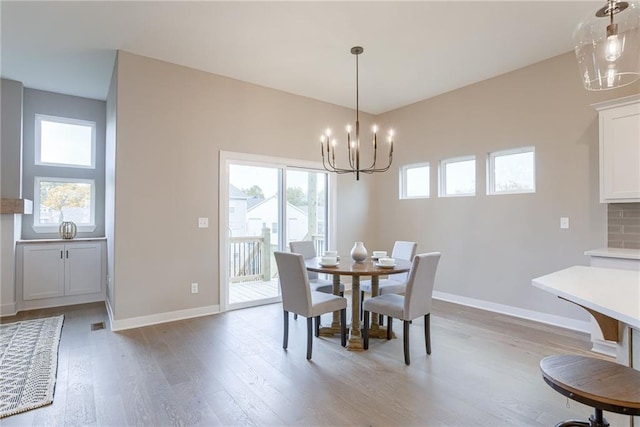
x: 623, y: 225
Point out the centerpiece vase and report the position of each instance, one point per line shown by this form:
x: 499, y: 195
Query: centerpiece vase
x: 68, y: 229
x: 359, y: 252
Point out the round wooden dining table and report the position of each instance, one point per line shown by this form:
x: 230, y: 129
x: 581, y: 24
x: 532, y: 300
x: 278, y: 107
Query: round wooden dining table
x: 347, y: 267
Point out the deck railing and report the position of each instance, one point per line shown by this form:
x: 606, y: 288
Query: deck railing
x: 250, y: 257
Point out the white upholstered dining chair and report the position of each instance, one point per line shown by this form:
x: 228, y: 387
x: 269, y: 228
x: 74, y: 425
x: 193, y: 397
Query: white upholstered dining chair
x: 394, y: 283
x: 298, y: 298
x: 414, y: 303
x: 307, y: 249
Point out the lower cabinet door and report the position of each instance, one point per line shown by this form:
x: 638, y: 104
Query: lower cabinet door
x: 43, y: 271
x: 83, y: 268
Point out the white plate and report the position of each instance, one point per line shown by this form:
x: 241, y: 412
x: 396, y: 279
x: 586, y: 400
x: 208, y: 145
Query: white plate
x: 327, y: 265
x: 385, y: 265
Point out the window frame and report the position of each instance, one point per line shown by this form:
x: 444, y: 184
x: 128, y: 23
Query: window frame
x: 39, y: 118
x: 53, y: 228
x: 491, y: 169
x: 403, y: 180
x: 442, y: 179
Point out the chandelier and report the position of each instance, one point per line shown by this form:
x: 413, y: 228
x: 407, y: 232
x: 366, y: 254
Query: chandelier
x: 328, y: 145
x: 607, y: 46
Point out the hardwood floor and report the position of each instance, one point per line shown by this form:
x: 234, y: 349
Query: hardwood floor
x: 230, y: 369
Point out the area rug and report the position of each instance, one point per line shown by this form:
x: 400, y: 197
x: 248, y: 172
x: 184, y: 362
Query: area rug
x: 28, y: 364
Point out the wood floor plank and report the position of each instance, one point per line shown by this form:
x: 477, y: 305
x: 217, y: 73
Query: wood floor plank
x: 230, y: 369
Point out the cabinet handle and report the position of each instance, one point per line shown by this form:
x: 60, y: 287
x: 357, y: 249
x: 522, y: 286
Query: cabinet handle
x: 60, y: 254
x: 67, y: 254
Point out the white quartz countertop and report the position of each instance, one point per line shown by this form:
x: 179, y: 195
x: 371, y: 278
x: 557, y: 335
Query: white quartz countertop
x: 615, y: 253
x: 612, y: 292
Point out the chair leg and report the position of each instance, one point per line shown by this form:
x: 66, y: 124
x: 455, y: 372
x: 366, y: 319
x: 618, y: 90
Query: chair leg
x: 361, y: 301
x: 309, y: 337
x: 389, y: 327
x: 317, y: 330
x: 407, y: 360
x: 365, y: 331
x: 427, y: 332
x: 343, y: 327
x: 285, y: 340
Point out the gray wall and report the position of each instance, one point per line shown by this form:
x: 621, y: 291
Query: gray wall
x: 41, y: 102
x: 10, y: 157
x: 492, y: 246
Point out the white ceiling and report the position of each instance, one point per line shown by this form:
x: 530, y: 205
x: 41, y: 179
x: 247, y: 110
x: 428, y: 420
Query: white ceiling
x: 413, y: 50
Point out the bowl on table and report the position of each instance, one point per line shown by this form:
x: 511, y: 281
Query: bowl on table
x: 386, y: 262
x: 328, y: 261
x: 379, y: 254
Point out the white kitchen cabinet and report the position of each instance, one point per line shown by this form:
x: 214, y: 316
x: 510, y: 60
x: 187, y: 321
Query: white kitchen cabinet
x: 57, y: 272
x: 43, y: 271
x: 619, y: 123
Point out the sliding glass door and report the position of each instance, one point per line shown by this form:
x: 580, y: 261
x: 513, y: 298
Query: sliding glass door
x: 265, y: 204
x: 255, y: 212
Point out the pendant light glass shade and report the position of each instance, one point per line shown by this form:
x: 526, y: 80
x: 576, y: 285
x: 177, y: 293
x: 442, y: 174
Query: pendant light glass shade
x: 607, y: 45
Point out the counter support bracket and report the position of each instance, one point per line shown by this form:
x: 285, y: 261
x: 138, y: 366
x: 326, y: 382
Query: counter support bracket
x: 608, y: 325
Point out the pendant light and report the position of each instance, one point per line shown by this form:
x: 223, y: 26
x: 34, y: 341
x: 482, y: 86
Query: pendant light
x: 607, y: 46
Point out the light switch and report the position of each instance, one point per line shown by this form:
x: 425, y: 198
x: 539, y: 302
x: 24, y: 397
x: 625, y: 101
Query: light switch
x: 203, y: 222
x: 564, y: 222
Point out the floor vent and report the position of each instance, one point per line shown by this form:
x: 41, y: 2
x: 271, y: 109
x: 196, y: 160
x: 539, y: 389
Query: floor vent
x: 97, y: 326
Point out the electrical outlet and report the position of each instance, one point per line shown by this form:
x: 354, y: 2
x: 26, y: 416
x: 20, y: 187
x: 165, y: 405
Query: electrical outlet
x: 194, y: 288
x: 203, y: 222
x: 564, y: 222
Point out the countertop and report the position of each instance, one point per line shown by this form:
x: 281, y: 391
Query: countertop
x: 75, y: 239
x: 615, y: 253
x: 612, y: 292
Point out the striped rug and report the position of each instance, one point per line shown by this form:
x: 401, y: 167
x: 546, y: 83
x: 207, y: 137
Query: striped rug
x: 28, y: 364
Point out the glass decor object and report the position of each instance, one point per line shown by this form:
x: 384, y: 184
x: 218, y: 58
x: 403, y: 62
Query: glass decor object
x: 607, y: 46
x: 68, y: 229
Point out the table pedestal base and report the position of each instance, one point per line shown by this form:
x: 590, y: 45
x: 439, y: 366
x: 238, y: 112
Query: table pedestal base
x: 377, y: 331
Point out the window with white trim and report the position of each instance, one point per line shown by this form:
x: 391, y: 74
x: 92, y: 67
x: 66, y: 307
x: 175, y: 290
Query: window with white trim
x: 64, y: 199
x: 414, y: 181
x: 65, y: 142
x: 64, y: 147
x: 457, y: 177
x: 511, y: 171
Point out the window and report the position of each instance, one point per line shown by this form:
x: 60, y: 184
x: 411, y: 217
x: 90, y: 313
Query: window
x: 65, y: 142
x: 511, y: 171
x: 457, y: 176
x: 64, y: 199
x: 414, y: 181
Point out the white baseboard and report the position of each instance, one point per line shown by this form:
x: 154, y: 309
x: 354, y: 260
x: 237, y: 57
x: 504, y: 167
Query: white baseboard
x: 608, y: 348
x: 536, y: 316
x: 8, y: 309
x: 154, y: 319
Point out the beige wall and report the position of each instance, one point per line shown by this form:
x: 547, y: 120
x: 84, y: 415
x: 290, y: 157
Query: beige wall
x: 172, y: 122
x: 493, y: 246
